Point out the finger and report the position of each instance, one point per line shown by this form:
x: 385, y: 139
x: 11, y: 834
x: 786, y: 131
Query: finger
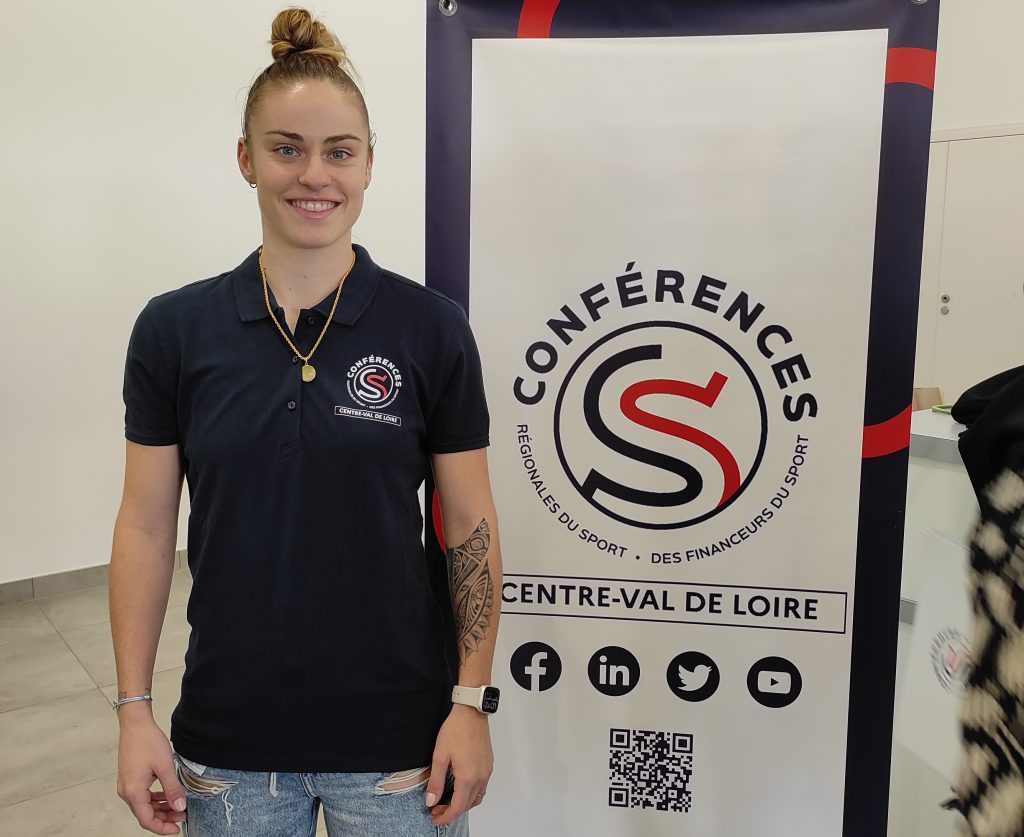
x: 166, y: 822
x: 171, y: 790
x: 171, y: 817
x: 479, y: 798
x: 164, y: 812
x: 139, y: 802
x: 437, y: 814
x: 464, y: 794
x: 438, y: 772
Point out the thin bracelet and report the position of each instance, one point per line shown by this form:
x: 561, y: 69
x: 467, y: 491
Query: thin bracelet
x: 117, y: 704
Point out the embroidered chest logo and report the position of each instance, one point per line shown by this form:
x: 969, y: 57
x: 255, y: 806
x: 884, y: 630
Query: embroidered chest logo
x: 374, y: 382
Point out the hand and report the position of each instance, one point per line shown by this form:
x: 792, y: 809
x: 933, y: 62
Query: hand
x: 464, y: 746
x: 143, y: 756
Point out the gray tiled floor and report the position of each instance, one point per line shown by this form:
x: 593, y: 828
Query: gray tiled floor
x: 58, y: 736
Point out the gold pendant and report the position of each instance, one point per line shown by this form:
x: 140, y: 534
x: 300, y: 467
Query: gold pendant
x: 308, y: 373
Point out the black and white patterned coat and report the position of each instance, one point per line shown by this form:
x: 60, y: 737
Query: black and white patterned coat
x: 990, y: 786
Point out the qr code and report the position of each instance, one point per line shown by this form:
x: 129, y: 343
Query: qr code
x: 650, y: 770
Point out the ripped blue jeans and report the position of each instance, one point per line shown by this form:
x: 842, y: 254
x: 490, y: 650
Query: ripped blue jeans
x: 241, y: 803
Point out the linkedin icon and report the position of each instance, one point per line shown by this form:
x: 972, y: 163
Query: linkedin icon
x: 614, y: 671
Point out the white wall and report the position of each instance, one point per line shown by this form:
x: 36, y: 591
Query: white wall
x: 118, y: 181
x: 980, y: 69
x: 973, y: 253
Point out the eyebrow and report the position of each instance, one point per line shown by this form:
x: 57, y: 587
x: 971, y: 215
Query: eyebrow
x: 328, y: 141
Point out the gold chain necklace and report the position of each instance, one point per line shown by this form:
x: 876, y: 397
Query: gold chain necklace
x: 308, y: 372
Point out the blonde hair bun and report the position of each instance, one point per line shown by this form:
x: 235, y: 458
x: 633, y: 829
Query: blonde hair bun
x: 304, y: 50
x: 296, y: 31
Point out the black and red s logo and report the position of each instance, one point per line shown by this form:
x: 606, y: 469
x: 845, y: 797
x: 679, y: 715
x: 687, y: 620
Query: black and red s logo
x: 685, y: 448
x: 374, y: 384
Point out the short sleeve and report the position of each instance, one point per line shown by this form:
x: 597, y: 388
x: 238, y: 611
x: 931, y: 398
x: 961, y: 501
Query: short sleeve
x: 150, y: 389
x: 459, y: 420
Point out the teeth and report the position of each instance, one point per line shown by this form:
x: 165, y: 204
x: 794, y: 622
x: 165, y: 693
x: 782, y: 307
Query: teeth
x: 314, y: 206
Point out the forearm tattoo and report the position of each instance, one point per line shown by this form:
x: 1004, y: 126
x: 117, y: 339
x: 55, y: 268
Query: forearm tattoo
x: 472, y: 589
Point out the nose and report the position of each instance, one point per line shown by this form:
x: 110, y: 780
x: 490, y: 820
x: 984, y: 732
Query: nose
x: 314, y: 175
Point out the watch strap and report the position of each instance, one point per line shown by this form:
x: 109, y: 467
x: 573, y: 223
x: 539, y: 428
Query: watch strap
x: 469, y: 696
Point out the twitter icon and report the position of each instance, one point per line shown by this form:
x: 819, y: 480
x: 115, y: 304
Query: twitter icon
x: 693, y: 676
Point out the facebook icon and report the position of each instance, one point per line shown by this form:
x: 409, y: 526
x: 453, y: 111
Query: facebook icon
x: 536, y: 666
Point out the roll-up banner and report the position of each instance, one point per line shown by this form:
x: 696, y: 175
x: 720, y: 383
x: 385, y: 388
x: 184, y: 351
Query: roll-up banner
x: 688, y: 236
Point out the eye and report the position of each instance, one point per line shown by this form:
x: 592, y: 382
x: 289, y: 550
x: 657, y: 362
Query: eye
x: 286, y: 151
x: 340, y: 154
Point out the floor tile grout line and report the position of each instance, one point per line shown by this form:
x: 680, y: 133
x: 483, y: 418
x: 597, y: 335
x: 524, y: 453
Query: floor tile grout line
x: 103, y: 697
x: 59, y: 790
x: 84, y: 691
x: 76, y: 627
x: 55, y: 790
x: 93, y: 688
x: 79, y: 661
x: 98, y: 686
x: 80, y: 627
x: 46, y: 616
x: 68, y: 593
x: 16, y: 604
x: 71, y: 592
x: 34, y: 598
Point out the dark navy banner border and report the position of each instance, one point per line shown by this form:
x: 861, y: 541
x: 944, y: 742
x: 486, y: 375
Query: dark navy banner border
x: 906, y: 134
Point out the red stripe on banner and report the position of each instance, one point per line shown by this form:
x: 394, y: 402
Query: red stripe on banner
x: 535, y: 18
x: 888, y: 437
x: 910, y: 65
x: 435, y: 514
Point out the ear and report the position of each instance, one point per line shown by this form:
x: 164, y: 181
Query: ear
x: 369, y: 170
x: 244, y: 161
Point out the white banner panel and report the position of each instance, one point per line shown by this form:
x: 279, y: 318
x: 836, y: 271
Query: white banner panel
x: 671, y: 258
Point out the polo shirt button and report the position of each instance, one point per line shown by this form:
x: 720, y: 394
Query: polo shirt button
x: 291, y: 405
x: 294, y: 359
x: 311, y: 319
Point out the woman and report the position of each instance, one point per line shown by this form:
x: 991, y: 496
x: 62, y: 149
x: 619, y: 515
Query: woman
x: 305, y: 396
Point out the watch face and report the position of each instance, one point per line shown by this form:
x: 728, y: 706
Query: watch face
x: 490, y: 702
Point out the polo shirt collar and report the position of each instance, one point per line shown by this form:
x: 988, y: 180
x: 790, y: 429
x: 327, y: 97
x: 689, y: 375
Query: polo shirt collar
x: 360, y: 286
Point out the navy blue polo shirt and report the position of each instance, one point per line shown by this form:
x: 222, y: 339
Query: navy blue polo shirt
x: 316, y: 644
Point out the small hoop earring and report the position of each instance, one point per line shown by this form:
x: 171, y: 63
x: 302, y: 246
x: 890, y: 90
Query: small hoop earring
x: 252, y: 184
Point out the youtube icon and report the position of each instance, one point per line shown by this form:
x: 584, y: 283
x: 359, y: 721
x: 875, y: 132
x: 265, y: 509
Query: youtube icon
x: 774, y: 682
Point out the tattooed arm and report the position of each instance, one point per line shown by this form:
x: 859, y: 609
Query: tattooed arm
x: 474, y: 558
x: 472, y: 586
x: 474, y: 572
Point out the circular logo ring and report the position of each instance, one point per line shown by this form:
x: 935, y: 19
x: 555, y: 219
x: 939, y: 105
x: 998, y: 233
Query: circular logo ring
x: 762, y: 408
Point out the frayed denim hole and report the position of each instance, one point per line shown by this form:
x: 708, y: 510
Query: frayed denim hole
x: 404, y: 781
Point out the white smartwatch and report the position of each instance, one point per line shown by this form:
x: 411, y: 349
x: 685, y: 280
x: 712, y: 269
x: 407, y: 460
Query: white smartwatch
x: 484, y: 698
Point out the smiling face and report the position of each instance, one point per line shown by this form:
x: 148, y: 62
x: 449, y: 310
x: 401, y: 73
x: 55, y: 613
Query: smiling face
x: 308, y: 151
